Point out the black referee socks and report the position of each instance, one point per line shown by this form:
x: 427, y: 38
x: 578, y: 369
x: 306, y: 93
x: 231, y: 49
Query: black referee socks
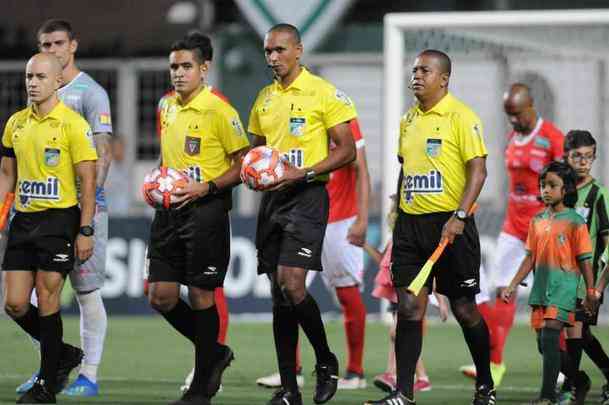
x: 408, y: 344
x: 30, y: 322
x: 51, y: 335
x: 478, y: 342
x: 181, y: 317
x: 309, y: 318
x: 285, y: 332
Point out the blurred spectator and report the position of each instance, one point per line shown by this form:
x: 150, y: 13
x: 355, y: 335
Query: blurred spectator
x: 118, y: 184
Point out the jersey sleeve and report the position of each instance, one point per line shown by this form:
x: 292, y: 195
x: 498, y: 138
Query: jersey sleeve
x: 97, y: 110
x: 338, y: 108
x: 602, y: 217
x: 531, y: 243
x: 253, y: 125
x: 7, y: 139
x: 582, y: 246
x: 230, y: 131
x: 470, y: 136
x: 557, y: 144
x: 357, y: 134
x: 81, y: 142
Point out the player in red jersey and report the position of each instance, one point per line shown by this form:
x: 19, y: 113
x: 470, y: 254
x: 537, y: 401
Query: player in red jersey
x: 343, y: 259
x: 532, y: 144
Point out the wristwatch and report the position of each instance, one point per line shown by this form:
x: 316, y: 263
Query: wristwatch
x: 310, y: 176
x: 461, y: 215
x: 86, y: 230
x: 212, y: 188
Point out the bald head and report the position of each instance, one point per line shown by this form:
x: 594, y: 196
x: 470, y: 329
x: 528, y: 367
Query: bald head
x: 519, y: 95
x: 42, y: 78
x: 518, y: 106
x: 45, y: 62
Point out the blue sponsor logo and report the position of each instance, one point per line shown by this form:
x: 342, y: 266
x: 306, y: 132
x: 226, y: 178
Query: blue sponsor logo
x: 426, y: 183
x: 38, y: 190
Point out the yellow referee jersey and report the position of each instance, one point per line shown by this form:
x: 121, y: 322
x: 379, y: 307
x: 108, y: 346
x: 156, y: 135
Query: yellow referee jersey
x: 435, y: 146
x: 295, y: 120
x: 46, y: 150
x: 199, y: 137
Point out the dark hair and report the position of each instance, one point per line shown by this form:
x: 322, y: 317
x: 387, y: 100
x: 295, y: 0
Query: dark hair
x: 576, y: 138
x: 443, y: 58
x: 287, y: 28
x: 53, y: 25
x: 199, y: 44
x: 569, y: 179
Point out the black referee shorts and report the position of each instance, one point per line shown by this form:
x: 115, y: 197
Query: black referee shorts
x: 191, y: 246
x: 291, y: 227
x: 415, y: 237
x: 42, y: 240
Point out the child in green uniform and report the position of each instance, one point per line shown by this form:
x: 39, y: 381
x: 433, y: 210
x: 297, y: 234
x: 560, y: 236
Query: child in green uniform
x: 558, y: 248
x: 592, y: 200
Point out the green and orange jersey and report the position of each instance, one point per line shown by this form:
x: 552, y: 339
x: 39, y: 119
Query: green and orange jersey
x: 557, y: 242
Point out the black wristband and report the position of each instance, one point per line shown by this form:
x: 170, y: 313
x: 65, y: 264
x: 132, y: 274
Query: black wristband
x: 213, y: 188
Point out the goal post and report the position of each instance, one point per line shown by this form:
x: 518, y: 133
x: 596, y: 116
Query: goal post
x: 563, y: 51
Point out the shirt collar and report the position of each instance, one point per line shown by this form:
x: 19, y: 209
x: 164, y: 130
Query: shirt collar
x: 299, y: 83
x: 197, y: 102
x: 56, y: 113
x: 443, y: 106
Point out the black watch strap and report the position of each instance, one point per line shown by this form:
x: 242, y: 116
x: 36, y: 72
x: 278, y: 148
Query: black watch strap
x: 213, y: 188
x: 86, y: 230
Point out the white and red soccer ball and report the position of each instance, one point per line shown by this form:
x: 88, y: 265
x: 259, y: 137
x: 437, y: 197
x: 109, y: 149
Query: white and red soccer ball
x: 262, y: 168
x: 159, y: 185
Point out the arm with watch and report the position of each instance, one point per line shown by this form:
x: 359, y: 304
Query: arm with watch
x: 86, y: 172
x: 343, y: 154
x: 476, y: 175
x: 230, y: 178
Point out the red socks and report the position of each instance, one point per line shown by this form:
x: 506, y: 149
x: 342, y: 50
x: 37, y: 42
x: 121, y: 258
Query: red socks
x: 355, y: 325
x: 222, y: 314
x: 504, y: 319
x: 489, y: 317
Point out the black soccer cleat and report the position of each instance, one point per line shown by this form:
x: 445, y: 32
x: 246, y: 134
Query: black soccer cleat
x: 327, y: 380
x: 485, y: 395
x: 70, y: 359
x: 394, y: 398
x: 192, y: 398
x: 225, y: 357
x: 38, y: 394
x: 285, y: 397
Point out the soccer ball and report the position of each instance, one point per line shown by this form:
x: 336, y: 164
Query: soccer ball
x: 262, y: 168
x: 158, y: 185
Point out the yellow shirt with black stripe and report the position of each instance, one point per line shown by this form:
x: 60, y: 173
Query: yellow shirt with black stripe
x: 46, y: 149
x: 295, y: 120
x: 435, y: 146
x: 199, y: 137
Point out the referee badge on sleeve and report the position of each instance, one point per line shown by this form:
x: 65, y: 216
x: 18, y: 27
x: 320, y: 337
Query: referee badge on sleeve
x: 434, y: 147
x: 192, y: 145
x: 51, y: 157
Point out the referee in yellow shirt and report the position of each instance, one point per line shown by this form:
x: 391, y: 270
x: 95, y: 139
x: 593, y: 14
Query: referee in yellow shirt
x: 201, y: 135
x: 443, y: 157
x: 298, y: 114
x: 45, y: 147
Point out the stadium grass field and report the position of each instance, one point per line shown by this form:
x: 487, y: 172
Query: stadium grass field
x: 145, y: 363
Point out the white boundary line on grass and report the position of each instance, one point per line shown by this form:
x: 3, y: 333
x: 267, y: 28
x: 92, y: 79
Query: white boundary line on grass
x: 443, y: 387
